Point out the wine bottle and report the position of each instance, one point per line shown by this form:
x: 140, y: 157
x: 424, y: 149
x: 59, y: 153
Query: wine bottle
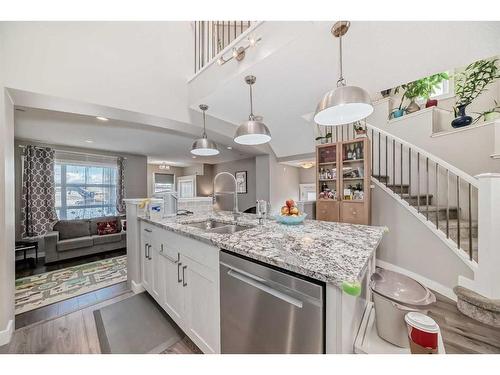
x: 349, y: 153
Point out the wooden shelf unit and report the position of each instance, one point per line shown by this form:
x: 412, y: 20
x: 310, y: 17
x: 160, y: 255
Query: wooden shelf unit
x: 334, y: 155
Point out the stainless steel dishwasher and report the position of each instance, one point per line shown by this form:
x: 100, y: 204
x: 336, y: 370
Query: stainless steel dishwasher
x: 264, y: 310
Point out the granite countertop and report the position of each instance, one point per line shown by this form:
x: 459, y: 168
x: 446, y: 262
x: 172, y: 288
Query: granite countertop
x: 325, y: 251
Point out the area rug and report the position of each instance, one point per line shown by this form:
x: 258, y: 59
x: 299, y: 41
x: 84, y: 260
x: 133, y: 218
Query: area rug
x: 136, y: 325
x: 44, y: 289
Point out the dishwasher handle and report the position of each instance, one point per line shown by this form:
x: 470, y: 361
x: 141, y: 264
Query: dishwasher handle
x: 255, y: 282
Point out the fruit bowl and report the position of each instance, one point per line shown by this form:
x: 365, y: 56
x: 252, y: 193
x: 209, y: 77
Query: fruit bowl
x: 290, y: 220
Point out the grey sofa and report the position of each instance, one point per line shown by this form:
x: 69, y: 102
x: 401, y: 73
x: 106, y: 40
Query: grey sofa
x: 76, y: 238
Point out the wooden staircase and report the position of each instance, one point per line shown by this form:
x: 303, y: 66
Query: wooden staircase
x: 424, y: 205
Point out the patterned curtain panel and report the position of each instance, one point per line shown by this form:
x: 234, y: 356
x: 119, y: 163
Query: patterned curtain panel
x: 120, y: 186
x: 38, y: 212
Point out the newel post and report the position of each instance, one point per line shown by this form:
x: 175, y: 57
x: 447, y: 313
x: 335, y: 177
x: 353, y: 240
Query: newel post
x: 487, y: 276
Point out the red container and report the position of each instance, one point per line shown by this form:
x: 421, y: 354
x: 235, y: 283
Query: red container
x: 423, y: 333
x: 431, y: 103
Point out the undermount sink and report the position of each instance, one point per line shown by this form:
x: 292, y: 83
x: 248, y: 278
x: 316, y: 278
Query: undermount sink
x: 214, y: 226
x: 208, y: 224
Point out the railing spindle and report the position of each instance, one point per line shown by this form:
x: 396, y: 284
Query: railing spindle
x: 386, y: 163
x: 409, y: 175
x: 447, y: 204
x: 372, y: 150
x: 470, y: 221
x: 394, y: 163
x: 401, y: 188
x: 427, y: 187
x: 195, y: 45
x: 379, y: 153
x: 437, y: 196
x: 418, y: 182
x: 458, y: 211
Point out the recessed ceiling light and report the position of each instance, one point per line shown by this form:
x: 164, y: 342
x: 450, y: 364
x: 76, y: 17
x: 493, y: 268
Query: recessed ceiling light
x: 229, y: 147
x: 89, y: 141
x: 100, y: 118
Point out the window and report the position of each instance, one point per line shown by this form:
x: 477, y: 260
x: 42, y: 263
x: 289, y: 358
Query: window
x: 186, y: 186
x: 84, y: 191
x: 163, y: 182
x: 444, y: 90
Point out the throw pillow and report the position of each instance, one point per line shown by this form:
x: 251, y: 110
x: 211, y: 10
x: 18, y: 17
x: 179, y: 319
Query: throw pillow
x: 107, y: 227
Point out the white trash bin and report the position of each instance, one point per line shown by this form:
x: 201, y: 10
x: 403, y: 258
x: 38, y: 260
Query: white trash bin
x: 394, y: 296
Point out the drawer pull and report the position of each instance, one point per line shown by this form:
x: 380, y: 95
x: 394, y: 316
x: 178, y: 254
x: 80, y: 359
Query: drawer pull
x: 147, y: 230
x: 178, y: 272
x: 183, y: 282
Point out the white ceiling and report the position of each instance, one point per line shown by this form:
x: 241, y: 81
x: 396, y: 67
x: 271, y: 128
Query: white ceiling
x: 68, y: 129
x: 377, y: 55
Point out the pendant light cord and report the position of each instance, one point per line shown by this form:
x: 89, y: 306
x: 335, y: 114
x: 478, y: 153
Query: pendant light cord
x: 204, y: 132
x: 251, y: 117
x: 341, y: 80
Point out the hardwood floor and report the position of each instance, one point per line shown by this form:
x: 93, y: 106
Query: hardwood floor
x: 74, y: 333
x: 69, y: 305
x: 461, y: 334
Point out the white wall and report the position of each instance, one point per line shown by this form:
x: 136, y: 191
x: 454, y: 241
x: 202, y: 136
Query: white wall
x: 284, y: 182
x: 7, y: 266
x: 307, y: 176
x: 411, y: 245
x: 137, y: 66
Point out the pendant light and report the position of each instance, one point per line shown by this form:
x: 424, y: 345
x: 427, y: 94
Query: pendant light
x: 344, y: 104
x: 253, y: 131
x: 204, y: 146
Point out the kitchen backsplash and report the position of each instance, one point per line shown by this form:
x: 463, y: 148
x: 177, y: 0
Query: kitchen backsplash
x: 197, y: 205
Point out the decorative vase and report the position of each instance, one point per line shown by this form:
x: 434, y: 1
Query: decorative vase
x: 412, y: 107
x: 397, y: 113
x: 490, y: 116
x: 462, y: 119
x: 431, y: 103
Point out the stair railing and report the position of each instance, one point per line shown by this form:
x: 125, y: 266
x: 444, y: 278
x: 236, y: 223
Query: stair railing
x: 416, y: 175
x: 211, y: 37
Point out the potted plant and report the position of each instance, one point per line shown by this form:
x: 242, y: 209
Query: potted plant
x: 469, y: 84
x: 359, y: 130
x: 490, y: 114
x: 422, y: 88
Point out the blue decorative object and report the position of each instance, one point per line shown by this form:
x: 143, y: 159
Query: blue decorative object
x: 397, y: 113
x: 462, y: 119
x: 290, y: 220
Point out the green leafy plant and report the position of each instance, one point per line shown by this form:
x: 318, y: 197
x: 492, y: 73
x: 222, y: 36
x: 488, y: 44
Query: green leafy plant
x: 474, y: 80
x: 421, y: 88
x: 425, y: 87
x: 495, y: 109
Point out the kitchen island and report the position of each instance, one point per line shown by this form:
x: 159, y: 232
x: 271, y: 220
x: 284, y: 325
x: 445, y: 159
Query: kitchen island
x: 329, y: 253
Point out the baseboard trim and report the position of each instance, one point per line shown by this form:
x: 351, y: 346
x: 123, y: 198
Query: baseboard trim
x: 431, y: 284
x: 136, y: 288
x: 6, y: 334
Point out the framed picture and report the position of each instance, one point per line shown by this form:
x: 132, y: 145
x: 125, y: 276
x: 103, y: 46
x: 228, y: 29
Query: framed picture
x: 241, y: 182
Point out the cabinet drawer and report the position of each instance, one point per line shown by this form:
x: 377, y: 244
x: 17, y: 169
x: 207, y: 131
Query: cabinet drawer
x: 198, y: 251
x: 327, y: 210
x: 354, y: 213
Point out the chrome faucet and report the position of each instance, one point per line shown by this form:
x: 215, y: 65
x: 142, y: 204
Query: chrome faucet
x: 236, y: 213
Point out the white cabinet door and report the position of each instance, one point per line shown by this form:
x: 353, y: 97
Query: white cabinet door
x: 154, y: 268
x: 174, y: 293
x: 201, y: 306
x: 145, y: 262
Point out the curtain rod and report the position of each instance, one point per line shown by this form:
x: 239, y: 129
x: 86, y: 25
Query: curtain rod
x: 74, y: 152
